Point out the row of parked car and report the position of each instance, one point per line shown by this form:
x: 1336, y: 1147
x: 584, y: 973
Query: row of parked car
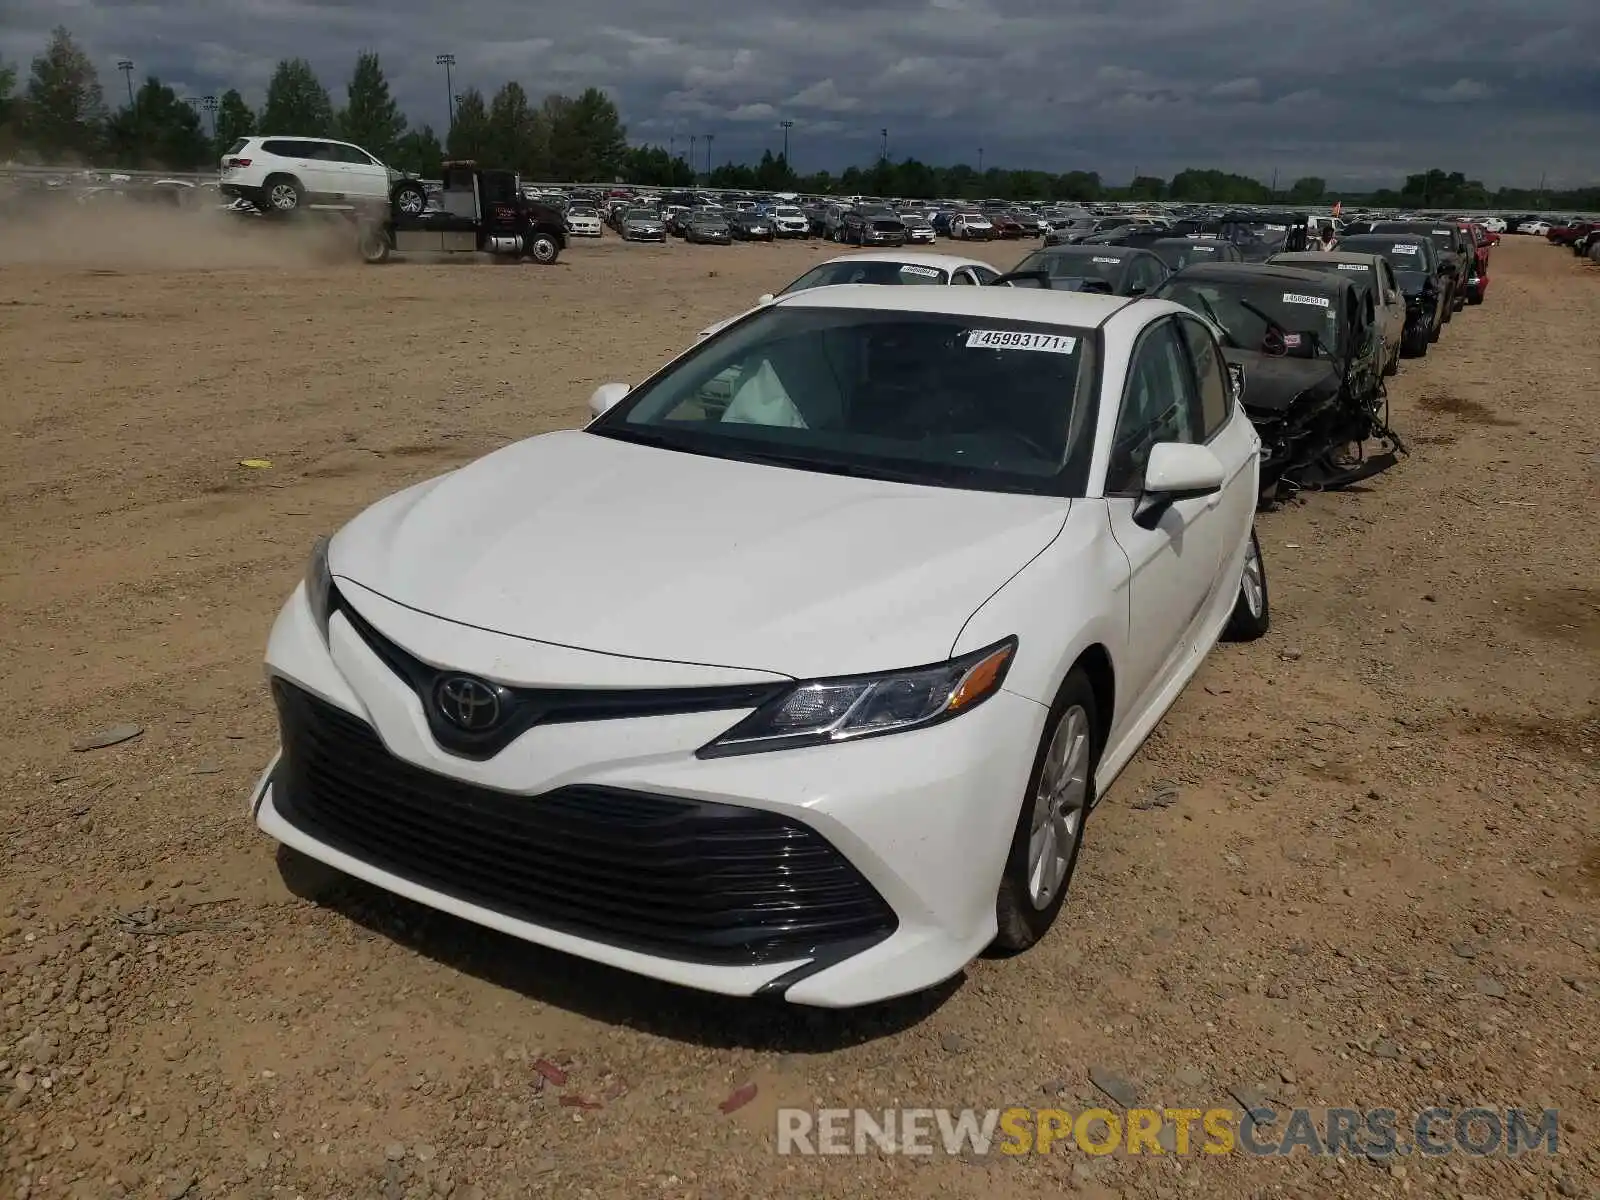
x: 1316, y: 326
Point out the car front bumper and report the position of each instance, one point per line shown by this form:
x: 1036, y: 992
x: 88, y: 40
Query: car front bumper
x: 910, y: 831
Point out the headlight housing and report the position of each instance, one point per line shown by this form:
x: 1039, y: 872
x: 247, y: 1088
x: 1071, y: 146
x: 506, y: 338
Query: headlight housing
x: 820, y: 712
x: 319, y: 586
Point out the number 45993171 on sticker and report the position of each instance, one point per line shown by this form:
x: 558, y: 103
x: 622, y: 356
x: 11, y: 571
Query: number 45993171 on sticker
x: 1011, y: 339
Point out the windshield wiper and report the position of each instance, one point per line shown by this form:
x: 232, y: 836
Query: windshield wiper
x: 1217, y: 321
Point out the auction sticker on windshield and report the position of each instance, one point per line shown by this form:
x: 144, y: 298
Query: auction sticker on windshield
x: 1296, y: 298
x: 1403, y: 250
x: 1010, y: 339
x: 926, y: 272
x: 1110, y: 262
x: 1354, y: 267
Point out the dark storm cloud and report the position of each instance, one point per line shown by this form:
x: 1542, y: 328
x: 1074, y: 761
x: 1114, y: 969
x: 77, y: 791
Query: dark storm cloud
x: 1357, y: 92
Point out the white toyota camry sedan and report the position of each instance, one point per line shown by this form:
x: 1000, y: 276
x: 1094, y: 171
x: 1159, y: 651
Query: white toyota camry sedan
x: 803, y: 688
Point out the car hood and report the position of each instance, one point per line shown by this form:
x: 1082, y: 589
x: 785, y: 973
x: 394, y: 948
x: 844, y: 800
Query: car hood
x: 589, y: 542
x: 1273, y: 382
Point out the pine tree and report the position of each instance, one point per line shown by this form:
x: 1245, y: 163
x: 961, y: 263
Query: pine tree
x: 297, y: 103
x: 65, y: 111
x: 157, y: 132
x: 469, y: 136
x: 371, y: 119
x: 234, y: 120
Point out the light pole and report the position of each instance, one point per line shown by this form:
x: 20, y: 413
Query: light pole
x: 125, y: 65
x: 210, y: 105
x: 710, y: 137
x: 883, y: 155
x: 786, y: 126
x: 693, y: 138
x: 448, y: 62
x: 980, y: 160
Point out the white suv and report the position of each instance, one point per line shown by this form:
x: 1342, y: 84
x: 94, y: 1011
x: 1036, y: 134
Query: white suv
x: 283, y: 174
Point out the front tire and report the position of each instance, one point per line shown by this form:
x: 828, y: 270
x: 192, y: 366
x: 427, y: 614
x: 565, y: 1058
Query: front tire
x: 542, y: 248
x: 373, y: 245
x: 1049, y: 831
x: 409, y: 199
x: 1252, y: 609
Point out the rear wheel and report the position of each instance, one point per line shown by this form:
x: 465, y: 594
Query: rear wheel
x: 1049, y: 829
x: 373, y: 244
x: 284, y: 195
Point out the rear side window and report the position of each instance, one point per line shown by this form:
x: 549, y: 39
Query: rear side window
x: 238, y: 146
x: 285, y: 148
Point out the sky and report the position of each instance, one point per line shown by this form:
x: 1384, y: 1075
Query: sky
x: 1359, y: 92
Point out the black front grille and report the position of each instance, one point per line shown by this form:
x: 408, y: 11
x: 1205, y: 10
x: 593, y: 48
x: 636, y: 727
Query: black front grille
x: 677, y: 878
x: 524, y: 707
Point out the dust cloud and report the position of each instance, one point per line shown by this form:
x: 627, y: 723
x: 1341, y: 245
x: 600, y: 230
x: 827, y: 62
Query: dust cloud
x: 133, y: 236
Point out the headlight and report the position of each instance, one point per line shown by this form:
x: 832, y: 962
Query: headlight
x: 319, y: 585
x: 820, y: 712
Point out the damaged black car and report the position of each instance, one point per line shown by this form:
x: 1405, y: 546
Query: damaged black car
x: 1312, y: 382
x: 1418, y: 271
x: 1112, y: 270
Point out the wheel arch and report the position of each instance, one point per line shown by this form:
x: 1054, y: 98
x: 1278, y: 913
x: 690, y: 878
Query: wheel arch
x: 1095, y: 660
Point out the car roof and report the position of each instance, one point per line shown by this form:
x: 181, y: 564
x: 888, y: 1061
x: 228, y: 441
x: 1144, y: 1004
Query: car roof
x: 946, y: 262
x: 1289, y: 258
x: 1097, y: 250
x: 1253, y: 272
x: 1077, y: 309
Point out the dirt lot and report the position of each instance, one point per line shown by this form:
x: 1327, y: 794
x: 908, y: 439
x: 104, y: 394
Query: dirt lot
x: 1376, y: 886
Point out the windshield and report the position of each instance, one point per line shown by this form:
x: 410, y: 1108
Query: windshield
x: 1251, y: 311
x: 927, y: 398
x: 1410, y: 254
x: 1074, y: 264
x: 787, y: 210
x: 1444, y: 240
x: 1257, y: 240
x: 641, y: 214
x: 1178, y: 255
x: 859, y: 270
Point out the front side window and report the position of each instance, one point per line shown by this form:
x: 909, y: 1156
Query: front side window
x: 1211, y: 376
x: 928, y: 398
x: 1158, y: 405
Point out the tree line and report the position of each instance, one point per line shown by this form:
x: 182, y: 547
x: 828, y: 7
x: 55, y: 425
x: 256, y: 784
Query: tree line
x: 59, y: 116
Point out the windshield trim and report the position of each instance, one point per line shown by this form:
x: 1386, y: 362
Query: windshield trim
x: 1070, y: 482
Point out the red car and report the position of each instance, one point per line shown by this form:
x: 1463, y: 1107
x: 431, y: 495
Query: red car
x: 1565, y: 235
x: 1478, y: 277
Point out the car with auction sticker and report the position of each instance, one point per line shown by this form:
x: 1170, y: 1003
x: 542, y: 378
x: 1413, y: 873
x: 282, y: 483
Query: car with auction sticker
x: 895, y: 268
x: 838, y: 665
x: 1115, y: 270
x: 1373, y: 275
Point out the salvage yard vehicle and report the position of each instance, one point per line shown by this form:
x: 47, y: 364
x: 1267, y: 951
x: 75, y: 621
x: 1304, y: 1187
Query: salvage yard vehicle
x: 707, y: 228
x: 1179, y: 252
x: 642, y: 225
x: 880, y: 268
x: 919, y: 230
x: 971, y: 227
x: 480, y: 210
x: 1454, y: 256
x: 1312, y: 378
x: 871, y: 227
x: 1416, y: 269
x: 282, y: 175
x: 1375, y: 278
x: 583, y: 220
x: 789, y: 222
x: 1113, y: 270
x: 748, y: 225
x: 699, y: 757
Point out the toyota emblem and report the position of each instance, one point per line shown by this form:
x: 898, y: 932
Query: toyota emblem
x: 469, y: 704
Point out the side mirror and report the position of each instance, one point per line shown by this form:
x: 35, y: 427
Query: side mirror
x: 605, y: 397
x: 765, y: 298
x: 1138, y: 289
x: 1176, y: 471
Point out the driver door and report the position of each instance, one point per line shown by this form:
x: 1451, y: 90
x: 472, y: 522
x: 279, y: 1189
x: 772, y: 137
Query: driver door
x: 1173, y: 566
